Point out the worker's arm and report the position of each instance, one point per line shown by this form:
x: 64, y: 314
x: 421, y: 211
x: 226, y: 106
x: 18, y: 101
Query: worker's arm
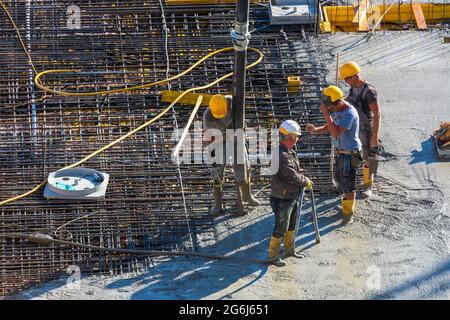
x: 316, y: 130
x: 375, y: 108
x: 332, y: 128
x: 288, y: 173
x: 206, y: 137
x: 212, y: 135
x: 372, y: 101
x: 206, y: 132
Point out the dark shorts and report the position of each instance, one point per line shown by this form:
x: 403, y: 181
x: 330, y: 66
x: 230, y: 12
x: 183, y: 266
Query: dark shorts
x: 285, y: 211
x: 345, y: 173
x: 364, y: 137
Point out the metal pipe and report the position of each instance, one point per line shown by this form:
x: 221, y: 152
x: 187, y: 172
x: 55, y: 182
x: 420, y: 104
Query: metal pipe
x: 30, y: 72
x: 240, y: 37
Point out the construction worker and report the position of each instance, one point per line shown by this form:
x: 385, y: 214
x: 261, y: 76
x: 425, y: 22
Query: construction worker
x: 363, y: 96
x: 286, y: 185
x: 343, y: 125
x: 218, y: 116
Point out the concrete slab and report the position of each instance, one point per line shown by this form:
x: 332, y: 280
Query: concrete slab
x: 398, y: 247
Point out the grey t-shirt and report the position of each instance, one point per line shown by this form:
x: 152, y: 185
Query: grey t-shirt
x: 361, y: 98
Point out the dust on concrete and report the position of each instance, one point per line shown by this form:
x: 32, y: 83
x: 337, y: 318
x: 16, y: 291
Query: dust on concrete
x: 398, y: 247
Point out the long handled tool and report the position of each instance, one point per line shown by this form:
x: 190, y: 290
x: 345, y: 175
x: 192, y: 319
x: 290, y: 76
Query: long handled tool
x: 240, y: 37
x: 313, y: 213
x: 314, y: 217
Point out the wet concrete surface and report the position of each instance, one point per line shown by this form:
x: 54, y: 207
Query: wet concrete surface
x: 398, y: 247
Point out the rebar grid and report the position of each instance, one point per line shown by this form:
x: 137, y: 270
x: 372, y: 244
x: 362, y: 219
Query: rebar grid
x: 121, y: 43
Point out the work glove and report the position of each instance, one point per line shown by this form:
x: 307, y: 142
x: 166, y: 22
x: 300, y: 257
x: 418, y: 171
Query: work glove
x: 309, y: 185
x: 374, y: 152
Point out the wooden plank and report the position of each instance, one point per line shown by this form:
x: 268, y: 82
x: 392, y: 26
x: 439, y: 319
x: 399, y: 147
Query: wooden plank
x: 359, y: 10
x: 361, y: 16
x: 325, y: 25
x: 176, y: 151
x: 189, y: 98
x: 419, y: 16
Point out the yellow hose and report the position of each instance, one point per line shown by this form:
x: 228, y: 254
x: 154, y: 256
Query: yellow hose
x: 46, y: 89
x: 18, y: 34
x: 40, y: 85
x: 162, y: 113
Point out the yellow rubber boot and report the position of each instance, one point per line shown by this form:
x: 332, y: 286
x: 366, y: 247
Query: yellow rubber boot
x: 348, y: 209
x: 289, y: 245
x: 367, y: 181
x: 274, y: 251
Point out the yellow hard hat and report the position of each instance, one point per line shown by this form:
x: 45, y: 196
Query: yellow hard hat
x: 218, y: 106
x: 334, y: 93
x: 349, y: 69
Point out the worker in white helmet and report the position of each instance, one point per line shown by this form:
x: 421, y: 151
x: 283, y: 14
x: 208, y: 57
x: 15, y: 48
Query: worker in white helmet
x: 218, y: 116
x: 286, y: 186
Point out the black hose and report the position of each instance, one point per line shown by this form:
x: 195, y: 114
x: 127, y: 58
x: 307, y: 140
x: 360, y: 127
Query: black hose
x: 45, y: 240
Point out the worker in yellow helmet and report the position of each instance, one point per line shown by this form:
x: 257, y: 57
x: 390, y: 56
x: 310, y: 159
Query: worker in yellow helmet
x: 217, y: 118
x: 363, y: 96
x: 342, y: 122
x: 286, y: 186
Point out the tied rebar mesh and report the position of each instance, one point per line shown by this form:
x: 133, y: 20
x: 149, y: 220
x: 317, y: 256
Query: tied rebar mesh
x: 122, y: 43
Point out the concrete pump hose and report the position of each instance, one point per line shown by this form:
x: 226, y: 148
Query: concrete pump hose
x: 45, y: 240
x: 144, y: 125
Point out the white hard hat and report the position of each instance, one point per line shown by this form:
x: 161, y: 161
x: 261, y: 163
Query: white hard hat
x: 290, y: 127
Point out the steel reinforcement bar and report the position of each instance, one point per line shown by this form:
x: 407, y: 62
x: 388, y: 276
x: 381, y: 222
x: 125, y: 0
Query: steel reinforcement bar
x: 118, y: 44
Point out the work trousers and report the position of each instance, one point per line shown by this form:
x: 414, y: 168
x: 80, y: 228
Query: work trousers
x: 241, y: 172
x: 285, y: 211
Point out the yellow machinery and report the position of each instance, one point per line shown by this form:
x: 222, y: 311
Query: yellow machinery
x: 191, y: 2
x: 353, y: 19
